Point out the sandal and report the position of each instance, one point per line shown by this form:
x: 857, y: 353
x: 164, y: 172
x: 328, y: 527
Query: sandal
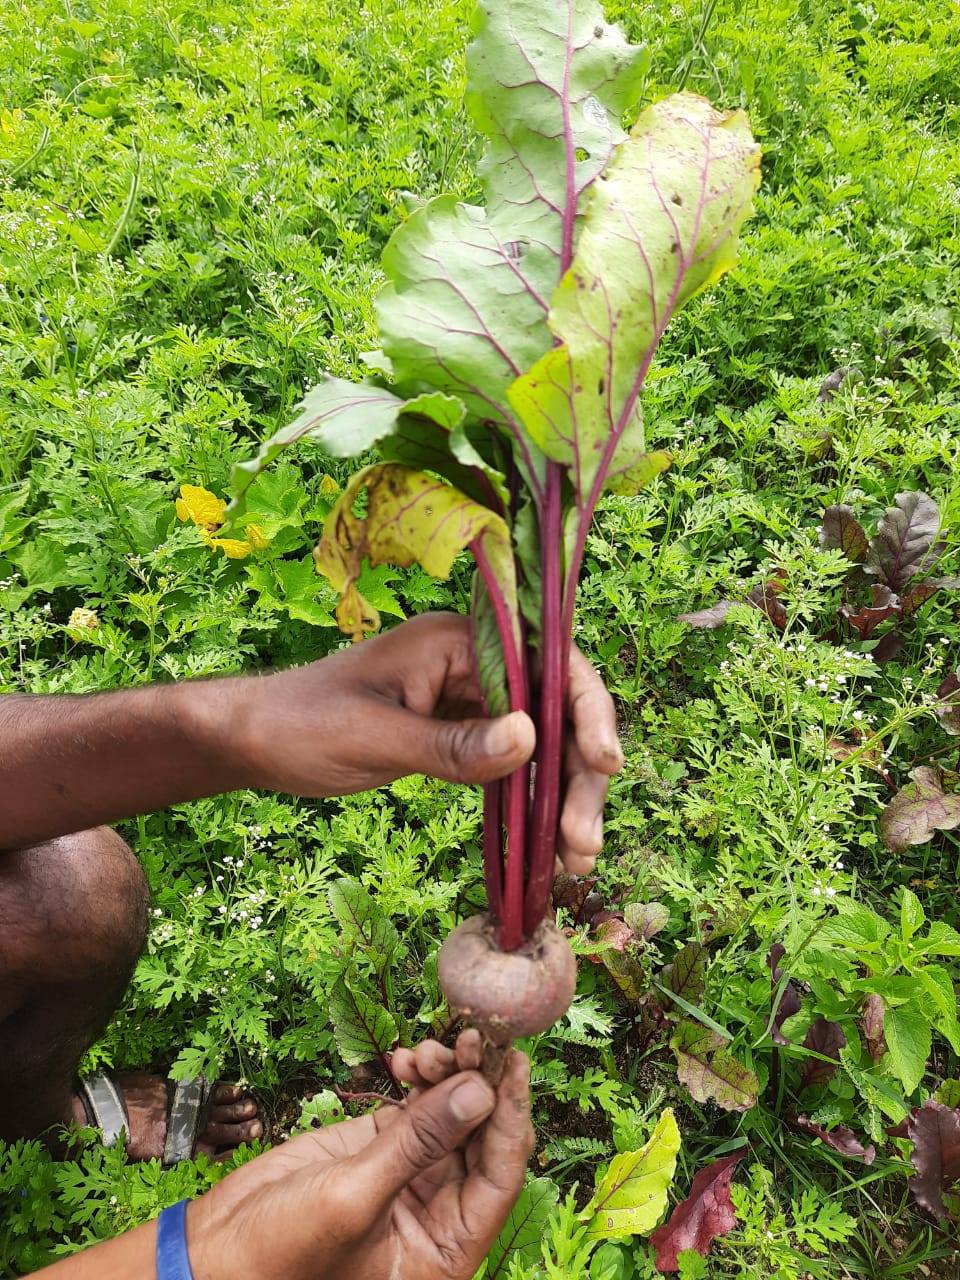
x: 186, y: 1116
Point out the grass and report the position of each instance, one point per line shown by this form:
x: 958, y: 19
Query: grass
x: 193, y: 199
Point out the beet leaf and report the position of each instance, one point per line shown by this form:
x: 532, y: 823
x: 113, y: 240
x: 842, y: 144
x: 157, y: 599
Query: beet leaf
x: 515, y: 340
x: 706, y: 1213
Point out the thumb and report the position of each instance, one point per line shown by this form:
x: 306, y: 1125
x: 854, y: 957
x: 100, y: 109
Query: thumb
x: 473, y: 751
x: 423, y: 1133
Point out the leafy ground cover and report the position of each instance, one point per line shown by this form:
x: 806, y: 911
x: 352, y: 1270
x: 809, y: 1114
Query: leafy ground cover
x: 193, y: 201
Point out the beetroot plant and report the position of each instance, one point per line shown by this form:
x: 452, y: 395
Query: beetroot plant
x: 505, y: 399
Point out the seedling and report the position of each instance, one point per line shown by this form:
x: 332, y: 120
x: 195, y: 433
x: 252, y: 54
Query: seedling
x: 505, y: 400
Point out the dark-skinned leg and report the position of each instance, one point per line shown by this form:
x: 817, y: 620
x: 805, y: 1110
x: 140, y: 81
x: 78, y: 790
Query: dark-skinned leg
x: 73, y: 920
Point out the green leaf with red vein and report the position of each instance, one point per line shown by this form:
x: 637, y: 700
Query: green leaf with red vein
x: 468, y: 288
x: 661, y: 225
x: 633, y: 1192
x: 344, y: 418
x: 523, y: 1229
x: 364, y: 1031
x: 706, y: 1213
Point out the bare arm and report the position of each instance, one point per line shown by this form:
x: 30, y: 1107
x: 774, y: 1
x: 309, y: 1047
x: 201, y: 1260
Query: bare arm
x: 404, y: 702
x: 69, y: 763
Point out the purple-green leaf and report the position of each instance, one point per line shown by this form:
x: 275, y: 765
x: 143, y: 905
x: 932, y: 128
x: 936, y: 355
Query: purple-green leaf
x: 947, y: 709
x: 841, y: 531
x: 907, y: 542
x: 709, y: 1070
x: 919, y: 810
x: 468, y: 288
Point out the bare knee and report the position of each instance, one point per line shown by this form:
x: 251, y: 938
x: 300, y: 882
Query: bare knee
x: 72, y: 908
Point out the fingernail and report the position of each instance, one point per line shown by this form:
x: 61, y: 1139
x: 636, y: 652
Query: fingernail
x: 598, y: 831
x: 471, y: 1101
x: 501, y: 737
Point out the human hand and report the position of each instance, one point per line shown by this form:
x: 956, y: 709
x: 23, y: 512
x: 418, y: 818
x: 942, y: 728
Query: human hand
x: 408, y: 701
x: 413, y: 1192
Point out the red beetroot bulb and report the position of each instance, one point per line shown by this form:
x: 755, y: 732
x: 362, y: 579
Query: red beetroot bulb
x: 507, y: 994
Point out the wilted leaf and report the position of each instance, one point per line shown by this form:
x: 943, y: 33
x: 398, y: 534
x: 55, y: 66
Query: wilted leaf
x: 661, y: 225
x: 410, y: 518
x: 934, y: 1131
x: 523, y: 1230
x: 706, y: 1213
x: 906, y: 544
x: 841, y: 531
x: 948, y: 704
x: 646, y: 919
x: 626, y: 958
x: 840, y: 1139
x: 919, y: 810
x: 866, y: 618
x: 871, y: 1023
x: 827, y: 1039
x: 708, y: 619
x: 709, y: 1070
x: 633, y: 1192
x: 364, y: 922
x: 789, y: 1002
x: 685, y: 975
x: 363, y: 1030
x: 868, y: 757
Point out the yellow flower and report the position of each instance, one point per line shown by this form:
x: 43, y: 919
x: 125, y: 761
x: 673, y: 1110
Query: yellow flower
x: 10, y: 121
x: 200, y: 507
x: 84, y: 620
x: 232, y: 548
x: 207, y: 511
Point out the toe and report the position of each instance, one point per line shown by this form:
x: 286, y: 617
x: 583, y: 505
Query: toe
x: 227, y: 1093
x: 233, y: 1112
x: 231, y: 1135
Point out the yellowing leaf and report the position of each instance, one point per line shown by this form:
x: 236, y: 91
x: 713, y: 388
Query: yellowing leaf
x: 410, y: 518
x: 633, y: 1194
x: 200, y: 507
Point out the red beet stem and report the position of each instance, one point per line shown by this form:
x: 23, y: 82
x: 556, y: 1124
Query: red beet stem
x: 546, y: 798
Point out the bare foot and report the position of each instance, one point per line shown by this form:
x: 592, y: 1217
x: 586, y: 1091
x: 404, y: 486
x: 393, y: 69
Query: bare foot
x: 232, y: 1119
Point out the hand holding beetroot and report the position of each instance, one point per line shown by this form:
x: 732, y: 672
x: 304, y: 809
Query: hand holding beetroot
x: 505, y: 401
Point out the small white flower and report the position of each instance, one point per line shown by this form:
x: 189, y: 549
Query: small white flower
x: 222, y: 909
x: 831, y: 893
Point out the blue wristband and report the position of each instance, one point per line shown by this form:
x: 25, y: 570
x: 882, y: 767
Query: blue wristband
x: 173, y: 1258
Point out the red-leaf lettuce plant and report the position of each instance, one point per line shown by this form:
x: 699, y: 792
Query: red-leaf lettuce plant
x: 516, y: 337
